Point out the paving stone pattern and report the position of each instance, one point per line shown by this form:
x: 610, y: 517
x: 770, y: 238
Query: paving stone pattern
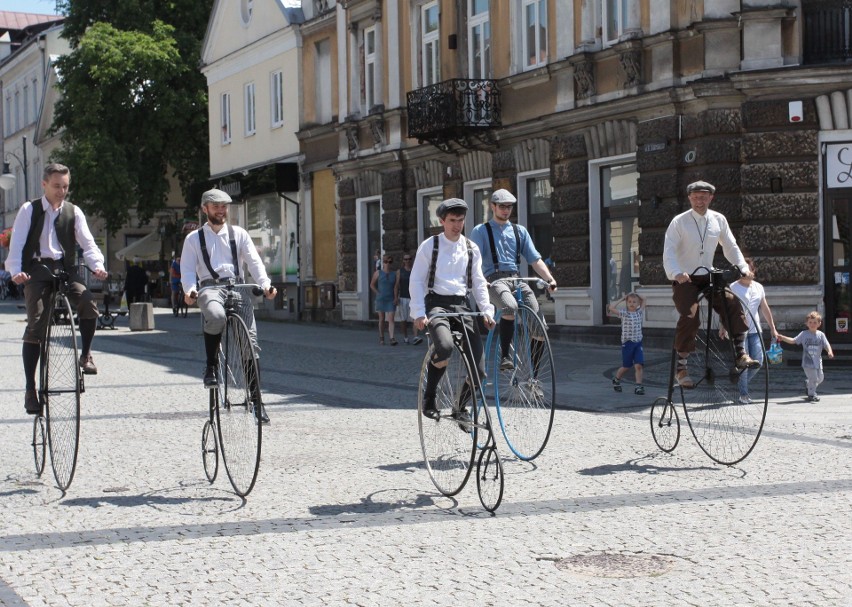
x: 344, y: 513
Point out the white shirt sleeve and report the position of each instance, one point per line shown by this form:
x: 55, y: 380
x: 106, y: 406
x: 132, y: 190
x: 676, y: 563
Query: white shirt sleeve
x: 419, y: 278
x: 188, y: 262
x: 251, y: 257
x: 91, y: 252
x: 670, y: 249
x: 480, y: 286
x: 20, y: 229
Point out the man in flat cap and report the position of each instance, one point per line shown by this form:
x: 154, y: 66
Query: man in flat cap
x: 690, y: 245
x: 448, y: 266
x: 504, y: 243
x: 212, y: 255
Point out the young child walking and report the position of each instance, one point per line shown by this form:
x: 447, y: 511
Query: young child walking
x: 632, y: 354
x: 813, y: 342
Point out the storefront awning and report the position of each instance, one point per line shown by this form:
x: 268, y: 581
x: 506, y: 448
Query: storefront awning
x: 146, y: 248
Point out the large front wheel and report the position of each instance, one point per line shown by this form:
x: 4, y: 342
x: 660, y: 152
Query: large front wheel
x: 236, y: 411
x: 60, y: 391
x: 525, y: 394
x: 448, y: 448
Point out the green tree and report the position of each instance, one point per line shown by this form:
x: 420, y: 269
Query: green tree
x: 133, y: 103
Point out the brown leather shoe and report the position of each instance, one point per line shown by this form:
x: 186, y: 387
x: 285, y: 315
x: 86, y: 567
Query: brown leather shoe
x: 684, y: 380
x: 88, y: 365
x: 747, y: 362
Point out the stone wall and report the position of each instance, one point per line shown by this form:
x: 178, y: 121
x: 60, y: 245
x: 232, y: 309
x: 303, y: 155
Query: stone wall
x: 570, y: 204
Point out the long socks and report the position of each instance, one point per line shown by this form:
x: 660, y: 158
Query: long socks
x: 87, y: 333
x: 211, y: 347
x: 507, y: 332
x: 433, y: 376
x: 30, y: 353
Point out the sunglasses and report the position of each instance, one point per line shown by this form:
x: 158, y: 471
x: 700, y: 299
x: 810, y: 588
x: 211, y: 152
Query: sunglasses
x: 388, y: 261
x: 505, y: 207
x: 406, y: 259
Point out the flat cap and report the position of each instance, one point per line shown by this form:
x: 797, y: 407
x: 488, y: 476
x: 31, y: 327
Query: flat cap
x: 451, y: 204
x: 503, y: 197
x: 215, y: 196
x: 700, y: 186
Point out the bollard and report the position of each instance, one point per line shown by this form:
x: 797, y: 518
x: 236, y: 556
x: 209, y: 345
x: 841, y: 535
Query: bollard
x: 141, y: 317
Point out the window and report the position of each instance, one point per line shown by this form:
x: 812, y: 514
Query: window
x: 369, y: 68
x: 17, y: 111
x: 35, y: 98
x: 614, y: 18
x: 26, y: 104
x: 7, y: 124
x: 251, y: 122
x: 479, y: 37
x: 620, y: 223
x: 534, y: 32
x: 323, y: 82
x: 428, y: 201
x: 430, y: 53
x: 477, y: 194
x: 245, y: 11
x: 535, y: 196
x: 226, y: 118
x: 276, y: 101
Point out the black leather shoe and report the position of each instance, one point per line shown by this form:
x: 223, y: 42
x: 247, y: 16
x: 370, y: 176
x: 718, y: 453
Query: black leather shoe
x: 261, y: 414
x: 31, y: 403
x: 506, y: 364
x: 464, y: 420
x: 429, y: 408
x: 210, y: 377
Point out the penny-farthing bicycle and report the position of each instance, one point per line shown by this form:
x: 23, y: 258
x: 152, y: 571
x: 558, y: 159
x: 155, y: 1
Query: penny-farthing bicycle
x: 525, y: 394
x: 724, y: 425
x: 449, y: 445
x: 235, y: 402
x: 56, y: 430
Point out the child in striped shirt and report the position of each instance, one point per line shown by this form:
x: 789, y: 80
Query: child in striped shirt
x: 632, y: 354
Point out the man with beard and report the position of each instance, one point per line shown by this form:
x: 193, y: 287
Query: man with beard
x: 211, y: 256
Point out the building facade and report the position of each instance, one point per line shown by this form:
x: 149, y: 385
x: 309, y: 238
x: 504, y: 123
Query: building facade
x: 597, y: 114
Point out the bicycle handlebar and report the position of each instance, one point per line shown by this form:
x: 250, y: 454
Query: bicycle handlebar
x: 255, y: 288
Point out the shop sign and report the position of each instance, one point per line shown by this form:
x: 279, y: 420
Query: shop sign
x: 838, y: 165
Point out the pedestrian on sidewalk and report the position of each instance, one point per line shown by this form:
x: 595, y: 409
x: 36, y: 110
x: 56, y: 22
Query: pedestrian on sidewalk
x: 632, y: 354
x: 754, y: 297
x: 403, y: 310
x: 384, y: 285
x: 212, y: 255
x: 813, y: 342
x: 45, y: 237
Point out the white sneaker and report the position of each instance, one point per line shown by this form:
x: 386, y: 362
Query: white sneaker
x: 745, y: 400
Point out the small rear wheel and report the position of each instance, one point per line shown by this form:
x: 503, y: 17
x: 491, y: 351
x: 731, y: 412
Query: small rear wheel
x: 39, y: 443
x: 665, y: 425
x: 489, y: 478
x: 210, y: 449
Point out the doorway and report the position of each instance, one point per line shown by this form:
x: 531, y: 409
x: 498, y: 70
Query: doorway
x: 838, y: 298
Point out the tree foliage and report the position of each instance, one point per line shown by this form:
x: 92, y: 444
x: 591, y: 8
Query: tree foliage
x: 133, y: 103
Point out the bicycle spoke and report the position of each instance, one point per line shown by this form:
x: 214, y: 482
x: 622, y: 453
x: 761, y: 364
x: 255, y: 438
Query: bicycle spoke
x: 525, y: 395
x: 61, y: 394
x: 239, y: 428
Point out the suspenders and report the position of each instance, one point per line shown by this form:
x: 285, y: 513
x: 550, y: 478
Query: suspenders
x: 494, y: 248
x: 206, y: 255
x: 434, y: 263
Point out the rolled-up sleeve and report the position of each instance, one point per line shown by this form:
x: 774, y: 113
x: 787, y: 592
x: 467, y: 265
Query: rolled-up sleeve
x: 20, y: 229
x: 91, y: 251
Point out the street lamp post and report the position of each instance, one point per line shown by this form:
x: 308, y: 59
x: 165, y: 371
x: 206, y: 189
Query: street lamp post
x: 7, y: 179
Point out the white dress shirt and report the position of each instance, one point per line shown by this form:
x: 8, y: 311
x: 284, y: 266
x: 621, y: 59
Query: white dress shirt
x: 450, y: 274
x: 691, y: 241
x: 193, y: 270
x: 49, y: 241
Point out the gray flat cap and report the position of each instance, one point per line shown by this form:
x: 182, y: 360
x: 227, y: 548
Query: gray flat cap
x: 451, y: 204
x: 700, y: 186
x: 503, y: 197
x: 215, y: 196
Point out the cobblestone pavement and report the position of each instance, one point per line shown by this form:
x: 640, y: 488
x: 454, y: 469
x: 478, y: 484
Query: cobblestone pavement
x: 344, y: 513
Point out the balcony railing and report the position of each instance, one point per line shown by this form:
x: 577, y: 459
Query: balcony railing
x: 827, y: 31
x: 457, y: 110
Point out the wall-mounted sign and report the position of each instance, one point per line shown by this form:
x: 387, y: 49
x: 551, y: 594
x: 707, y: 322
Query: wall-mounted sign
x: 654, y: 147
x: 838, y: 165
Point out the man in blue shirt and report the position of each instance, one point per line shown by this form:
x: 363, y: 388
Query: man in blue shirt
x: 503, y: 244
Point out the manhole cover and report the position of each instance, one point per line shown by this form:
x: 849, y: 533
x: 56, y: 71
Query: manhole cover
x: 608, y: 564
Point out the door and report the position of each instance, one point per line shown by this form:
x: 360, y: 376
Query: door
x: 620, y: 239
x: 374, y: 248
x: 838, y: 299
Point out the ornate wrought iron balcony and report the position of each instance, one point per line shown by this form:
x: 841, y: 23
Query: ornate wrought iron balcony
x: 827, y: 33
x: 458, y: 111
